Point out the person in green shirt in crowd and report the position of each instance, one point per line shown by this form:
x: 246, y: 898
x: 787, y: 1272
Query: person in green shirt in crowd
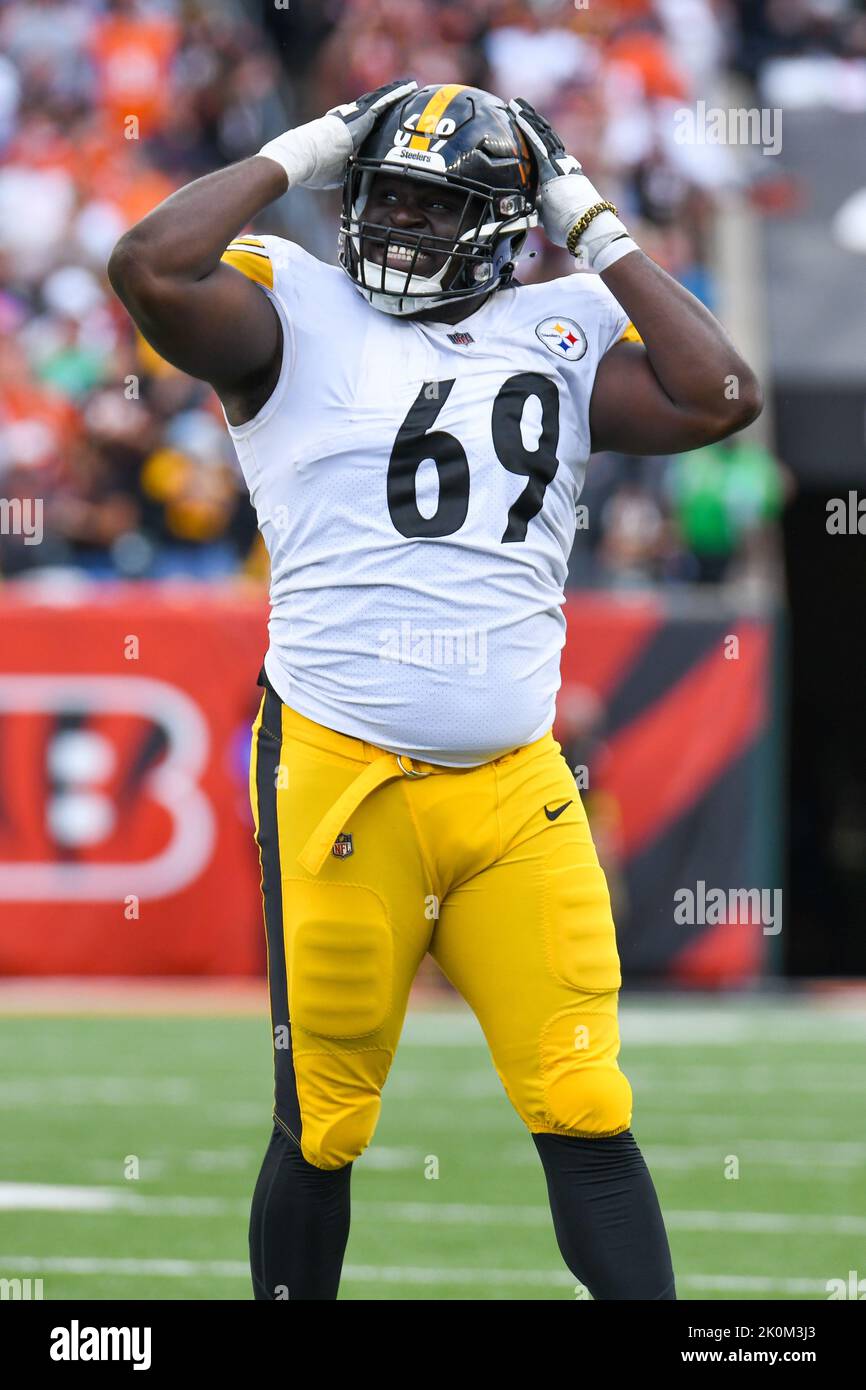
x: 720, y: 494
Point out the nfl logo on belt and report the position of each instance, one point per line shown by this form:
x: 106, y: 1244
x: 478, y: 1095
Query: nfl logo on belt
x: 342, y: 847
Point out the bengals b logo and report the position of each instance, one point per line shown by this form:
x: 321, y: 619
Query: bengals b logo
x: 100, y: 790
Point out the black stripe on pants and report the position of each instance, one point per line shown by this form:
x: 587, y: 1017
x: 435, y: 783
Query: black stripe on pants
x: 286, y: 1109
x: 299, y: 1219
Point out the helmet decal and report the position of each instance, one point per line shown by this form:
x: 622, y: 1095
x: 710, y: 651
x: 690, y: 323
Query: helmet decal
x: 429, y: 119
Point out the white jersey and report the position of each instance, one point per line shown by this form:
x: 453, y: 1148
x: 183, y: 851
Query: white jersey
x: 415, y: 485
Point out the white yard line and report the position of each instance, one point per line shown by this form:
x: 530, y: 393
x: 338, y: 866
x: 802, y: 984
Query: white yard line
x: 770, y: 1223
x: 14, y: 1266
x: 735, y: 1222
x: 659, y: 1086
x: 26, y: 1196
x: 48, y: 1197
x: 60, y: 1090
x: 754, y: 1153
x: 759, y: 1153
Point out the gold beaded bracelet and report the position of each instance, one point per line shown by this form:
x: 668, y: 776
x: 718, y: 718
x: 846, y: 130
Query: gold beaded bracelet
x: 580, y: 227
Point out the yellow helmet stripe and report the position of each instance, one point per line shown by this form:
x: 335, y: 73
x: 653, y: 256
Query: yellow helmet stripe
x: 429, y: 118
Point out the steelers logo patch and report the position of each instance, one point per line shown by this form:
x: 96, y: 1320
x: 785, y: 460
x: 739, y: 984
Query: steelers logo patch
x: 563, y: 337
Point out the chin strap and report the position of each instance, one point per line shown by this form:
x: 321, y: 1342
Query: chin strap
x: 403, y: 305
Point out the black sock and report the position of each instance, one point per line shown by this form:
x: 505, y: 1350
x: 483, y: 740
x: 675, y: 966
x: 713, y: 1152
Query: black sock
x: 299, y: 1225
x: 606, y: 1216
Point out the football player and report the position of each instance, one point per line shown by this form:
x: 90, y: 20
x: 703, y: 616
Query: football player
x: 414, y: 426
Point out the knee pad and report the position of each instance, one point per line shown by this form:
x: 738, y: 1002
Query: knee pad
x: 339, y: 1095
x: 584, y: 1091
x: 589, y: 1101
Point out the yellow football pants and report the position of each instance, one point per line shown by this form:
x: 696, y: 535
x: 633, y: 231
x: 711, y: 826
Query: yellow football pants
x: 369, y: 861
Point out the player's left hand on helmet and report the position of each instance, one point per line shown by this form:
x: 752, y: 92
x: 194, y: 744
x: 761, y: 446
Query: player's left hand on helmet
x: 567, y: 198
x: 314, y: 155
x: 551, y: 159
x: 562, y: 182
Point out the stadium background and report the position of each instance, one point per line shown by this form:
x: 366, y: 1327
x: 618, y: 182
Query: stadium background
x: 713, y: 682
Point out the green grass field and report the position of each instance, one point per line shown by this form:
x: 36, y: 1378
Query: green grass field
x: 776, y: 1085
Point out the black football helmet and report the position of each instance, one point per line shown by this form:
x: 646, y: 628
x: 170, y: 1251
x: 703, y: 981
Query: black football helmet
x: 468, y: 140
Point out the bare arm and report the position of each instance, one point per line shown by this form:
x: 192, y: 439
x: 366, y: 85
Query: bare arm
x: 686, y: 387
x: 204, y: 317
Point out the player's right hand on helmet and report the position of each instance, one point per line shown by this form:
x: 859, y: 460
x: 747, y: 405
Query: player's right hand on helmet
x: 362, y: 114
x: 314, y: 155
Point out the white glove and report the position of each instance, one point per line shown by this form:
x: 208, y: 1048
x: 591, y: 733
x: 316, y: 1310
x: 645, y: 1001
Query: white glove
x: 314, y: 155
x: 567, y: 195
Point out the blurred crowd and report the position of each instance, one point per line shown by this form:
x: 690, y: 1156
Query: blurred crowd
x: 108, y: 105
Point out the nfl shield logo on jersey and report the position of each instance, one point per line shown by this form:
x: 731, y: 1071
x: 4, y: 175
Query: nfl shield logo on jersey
x: 342, y: 847
x: 563, y: 337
